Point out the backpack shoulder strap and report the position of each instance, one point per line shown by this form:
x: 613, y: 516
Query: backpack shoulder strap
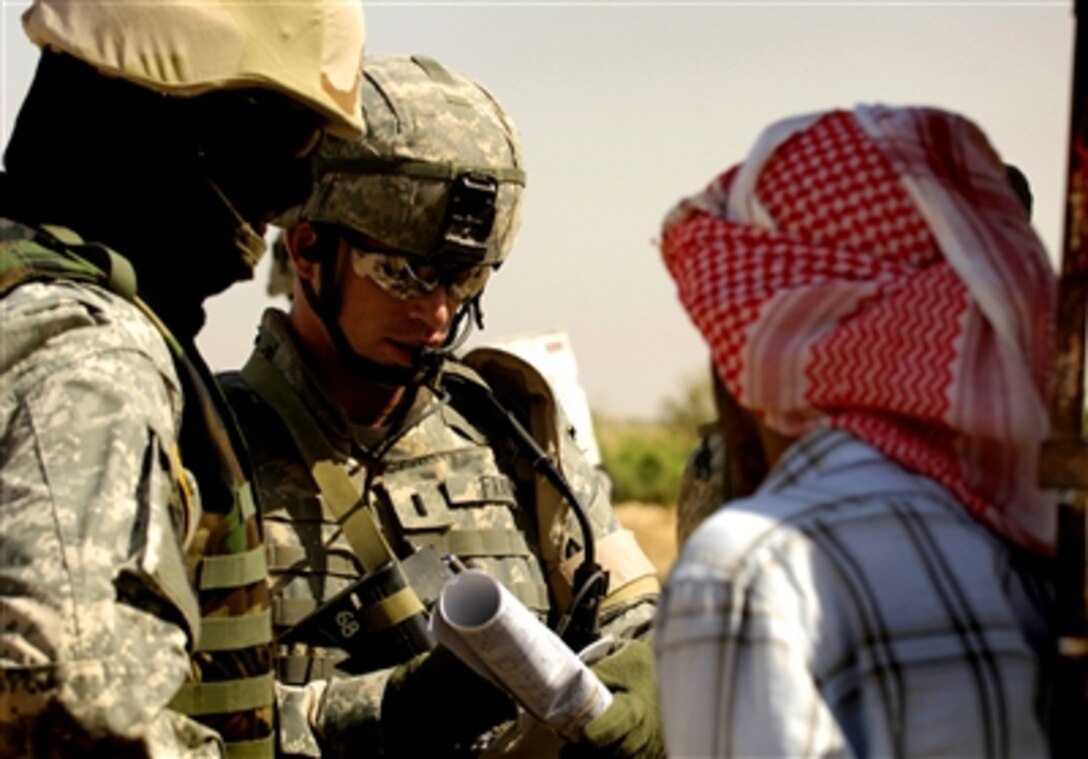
x: 52, y: 252
x: 339, y: 493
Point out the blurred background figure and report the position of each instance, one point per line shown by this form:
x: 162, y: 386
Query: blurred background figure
x: 879, y: 308
x: 709, y: 480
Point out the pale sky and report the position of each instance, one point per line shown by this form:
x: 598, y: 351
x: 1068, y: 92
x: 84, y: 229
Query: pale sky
x: 623, y: 108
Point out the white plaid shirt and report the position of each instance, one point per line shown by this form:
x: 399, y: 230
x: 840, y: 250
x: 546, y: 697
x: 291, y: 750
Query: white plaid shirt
x: 849, y: 608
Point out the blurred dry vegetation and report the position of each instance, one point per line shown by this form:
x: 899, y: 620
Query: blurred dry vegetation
x: 645, y: 460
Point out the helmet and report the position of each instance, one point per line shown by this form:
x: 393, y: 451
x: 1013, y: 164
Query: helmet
x: 310, y: 50
x: 439, y: 171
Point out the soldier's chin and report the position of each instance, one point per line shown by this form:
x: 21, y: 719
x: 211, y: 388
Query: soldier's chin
x: 401, y: 355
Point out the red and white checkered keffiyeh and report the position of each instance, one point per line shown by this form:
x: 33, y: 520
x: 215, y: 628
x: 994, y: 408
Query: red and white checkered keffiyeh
x: 873, y: 270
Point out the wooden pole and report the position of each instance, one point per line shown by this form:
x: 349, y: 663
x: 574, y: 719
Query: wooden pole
x: 1064, y: 460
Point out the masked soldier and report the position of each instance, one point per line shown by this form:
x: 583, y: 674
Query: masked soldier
x: 155, y: 142
x: 880, y: 313
x: 379, y: 449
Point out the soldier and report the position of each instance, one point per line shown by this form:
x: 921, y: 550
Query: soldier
x: 155, y: 142
x: 377, y: 448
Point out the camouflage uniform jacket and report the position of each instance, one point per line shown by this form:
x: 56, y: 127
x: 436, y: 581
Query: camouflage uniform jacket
x: 435, y: 479
x: 95, y: 611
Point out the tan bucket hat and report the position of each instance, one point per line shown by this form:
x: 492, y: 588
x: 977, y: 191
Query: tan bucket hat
x: 311, y: 50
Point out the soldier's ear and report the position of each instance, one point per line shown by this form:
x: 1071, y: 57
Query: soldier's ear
x: 302, y: 246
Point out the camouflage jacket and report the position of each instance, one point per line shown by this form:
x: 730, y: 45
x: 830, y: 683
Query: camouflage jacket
x: 434, y: 480
x: 96, y: 614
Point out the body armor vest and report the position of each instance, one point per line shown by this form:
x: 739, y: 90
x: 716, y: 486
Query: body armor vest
x: 434, y: 483
x: 231, y: 684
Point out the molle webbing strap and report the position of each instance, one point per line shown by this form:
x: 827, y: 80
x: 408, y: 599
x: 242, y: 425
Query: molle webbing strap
x: 297, y: 669
x: 222, y: 696
x: 229, y: 633
x: 233, y: 570
x: 486, y: 542
x: 283, y: 559
x: 261, y: 748
x: 340, y: 494
x: 288, y: 612
x: 492, y: 544
x: 236, y: 627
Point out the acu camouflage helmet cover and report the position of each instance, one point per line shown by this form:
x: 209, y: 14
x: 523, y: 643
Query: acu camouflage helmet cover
x: 432, y: 136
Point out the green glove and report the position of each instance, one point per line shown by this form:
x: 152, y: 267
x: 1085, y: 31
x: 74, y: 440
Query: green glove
x: 630, y: 728
x: 435, y: 705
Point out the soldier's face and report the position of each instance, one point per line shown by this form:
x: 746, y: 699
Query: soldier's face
x: 388, y: 329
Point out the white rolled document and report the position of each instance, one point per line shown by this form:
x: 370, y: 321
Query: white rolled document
x: 491, y: 631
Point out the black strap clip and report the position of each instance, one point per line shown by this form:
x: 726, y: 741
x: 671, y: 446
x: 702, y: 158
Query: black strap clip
x: 470, y: 215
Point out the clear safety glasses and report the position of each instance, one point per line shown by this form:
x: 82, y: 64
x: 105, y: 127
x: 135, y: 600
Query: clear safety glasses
x: 398, y: 276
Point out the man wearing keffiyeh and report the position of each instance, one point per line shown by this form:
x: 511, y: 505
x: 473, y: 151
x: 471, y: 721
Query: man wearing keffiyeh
x: 874, y: 297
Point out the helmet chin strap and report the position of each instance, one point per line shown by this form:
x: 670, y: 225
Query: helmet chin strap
x: 250, y: 245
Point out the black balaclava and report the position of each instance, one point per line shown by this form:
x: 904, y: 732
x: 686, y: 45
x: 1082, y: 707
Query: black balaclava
x: 121, y: 165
